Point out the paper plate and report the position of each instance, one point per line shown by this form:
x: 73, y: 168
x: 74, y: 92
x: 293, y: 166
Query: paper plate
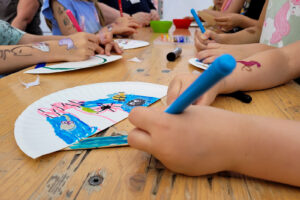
x: 194, y: 24
x: 70, y: 66
x: 131, y: 44
x: 63, y: 118
x: 197, y: 63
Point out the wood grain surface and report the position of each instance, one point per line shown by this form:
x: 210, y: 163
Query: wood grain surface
x: 126, y: 173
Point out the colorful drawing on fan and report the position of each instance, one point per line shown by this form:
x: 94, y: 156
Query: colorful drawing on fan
x: 70, y: 120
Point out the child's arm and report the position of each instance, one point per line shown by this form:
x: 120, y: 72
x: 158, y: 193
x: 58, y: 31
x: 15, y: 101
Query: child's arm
x: 277, y: 66
x: 255, y: 146
x: 76, y: 47
x: 248, y: 35
x: 26, y: 10
x: 110, y: 14
x: 59, y: 12
x: 231, y: 20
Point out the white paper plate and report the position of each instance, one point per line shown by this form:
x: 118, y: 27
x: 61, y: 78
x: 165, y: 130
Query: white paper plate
x: 197, y: 63
x: 70, y: 66
x: 60, y: 119
x: 131, y: 44
x: 194, y: 24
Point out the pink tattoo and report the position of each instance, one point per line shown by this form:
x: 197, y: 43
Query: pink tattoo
x: 250, y: 63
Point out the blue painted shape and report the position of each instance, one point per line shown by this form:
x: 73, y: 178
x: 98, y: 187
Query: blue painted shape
x: 71, y: 129
x: 98, y: 142
x: 197, y: 19
x: 130, y: 101
x: 40, y: 65
x: 220, y: 68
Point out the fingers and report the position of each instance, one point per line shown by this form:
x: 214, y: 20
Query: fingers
x: 140, y: 140
x: 108, y: 48
x: 208, y: 56
x: 117, y: 48
x: 146, y: 119
x: 174, y: 90
x: 199, y: 42
x: 93, y: 38
x: 221, y: 19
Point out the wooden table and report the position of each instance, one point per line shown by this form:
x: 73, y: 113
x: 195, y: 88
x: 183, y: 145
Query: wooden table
x: 126, y: 173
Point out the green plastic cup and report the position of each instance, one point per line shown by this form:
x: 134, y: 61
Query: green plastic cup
x: 161, y: 26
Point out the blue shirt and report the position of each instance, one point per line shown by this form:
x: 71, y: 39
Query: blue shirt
x: 129, y: 8
x: 9, y: 35
x: 84, y: 12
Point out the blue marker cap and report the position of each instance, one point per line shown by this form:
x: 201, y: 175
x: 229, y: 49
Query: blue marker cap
x: 220, y: 68
x: 198, y: 21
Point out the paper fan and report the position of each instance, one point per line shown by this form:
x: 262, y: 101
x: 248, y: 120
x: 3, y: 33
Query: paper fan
x: 131, y: 44
x: 70, y: 66
x: 197, y: 63
x: 63, y: 118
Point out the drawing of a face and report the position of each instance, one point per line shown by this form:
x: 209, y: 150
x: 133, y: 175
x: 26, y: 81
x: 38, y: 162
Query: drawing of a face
x: 67, y: 125
x: 295, y: 7
x: 136, y: 102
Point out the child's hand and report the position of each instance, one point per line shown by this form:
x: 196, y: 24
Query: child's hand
x: 212, y: 51
x: 154, y: 15
x: 125, y: 26
x: 79, y: 46
x: 112, y: 46
x: 183, y: 81
x: 142, y: 18
x: 188, y: 143
x: 228, y: 21
x: 201, y: 40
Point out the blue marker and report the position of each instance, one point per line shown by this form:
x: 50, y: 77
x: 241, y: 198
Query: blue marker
x: 220, y: 68
x: 198, y: 20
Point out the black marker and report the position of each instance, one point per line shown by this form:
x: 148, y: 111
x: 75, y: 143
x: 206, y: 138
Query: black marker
x: 245, y: 98
x: 174, y: 54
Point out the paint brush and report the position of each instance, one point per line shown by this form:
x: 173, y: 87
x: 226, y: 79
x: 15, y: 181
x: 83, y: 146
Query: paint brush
x: 219, y: 69
x: 198, y: 21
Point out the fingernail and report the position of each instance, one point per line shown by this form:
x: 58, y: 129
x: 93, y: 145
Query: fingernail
x: 204, y: 37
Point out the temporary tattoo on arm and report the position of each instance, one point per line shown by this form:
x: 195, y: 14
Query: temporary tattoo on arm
x: 248, y: 64
x: 16, y: 51
x: 42, y: 46
x: 68, y: 42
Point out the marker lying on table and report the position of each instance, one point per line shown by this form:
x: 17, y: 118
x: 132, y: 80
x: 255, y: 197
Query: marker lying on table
x: 220, y: 68
x: 198, y: 21
x: 73, y: 20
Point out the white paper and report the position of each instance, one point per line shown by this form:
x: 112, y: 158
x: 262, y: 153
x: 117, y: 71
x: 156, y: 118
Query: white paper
x: 31, y: 84
x: 197, y: 63
x: 70, y: 66
x: 135, y: 59
x: 131, y: 44
x: 41, y: 128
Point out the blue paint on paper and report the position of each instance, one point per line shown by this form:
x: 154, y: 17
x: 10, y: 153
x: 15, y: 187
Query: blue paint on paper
x: 40, y: 65
x: 128, y: 101
x: 98, y: 142
x: 71, y: 129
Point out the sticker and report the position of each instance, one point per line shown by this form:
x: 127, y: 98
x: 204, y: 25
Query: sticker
x: 42, y: 46
x: 68, y: 42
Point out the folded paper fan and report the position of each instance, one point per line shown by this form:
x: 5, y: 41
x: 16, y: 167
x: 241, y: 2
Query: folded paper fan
x: 63, y: 118
x: 70, y: 66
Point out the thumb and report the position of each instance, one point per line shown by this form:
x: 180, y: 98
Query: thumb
x: 212, y: 35
x: 145, y: 118
x: 140, y: 140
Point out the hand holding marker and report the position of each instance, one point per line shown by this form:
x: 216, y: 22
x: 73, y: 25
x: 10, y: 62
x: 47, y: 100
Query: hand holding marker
x: 219, y: 69
x: 198, y: 21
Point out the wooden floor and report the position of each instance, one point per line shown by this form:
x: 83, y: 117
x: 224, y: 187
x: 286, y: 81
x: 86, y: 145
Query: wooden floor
x: 126, y: 173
